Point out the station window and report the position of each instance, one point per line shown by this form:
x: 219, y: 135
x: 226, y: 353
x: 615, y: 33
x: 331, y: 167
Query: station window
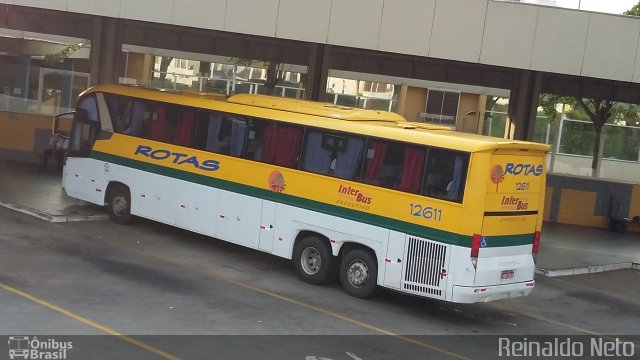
x: 441, y: 107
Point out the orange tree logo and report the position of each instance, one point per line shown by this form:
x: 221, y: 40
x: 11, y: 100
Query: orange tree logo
x: 497, y: 175
x: 276, y: 181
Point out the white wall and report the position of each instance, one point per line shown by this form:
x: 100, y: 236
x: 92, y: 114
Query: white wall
x: 625, y: 171
x: 480, y: 31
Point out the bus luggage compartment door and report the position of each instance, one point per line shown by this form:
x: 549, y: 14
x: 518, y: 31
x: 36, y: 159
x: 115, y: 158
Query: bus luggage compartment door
x: 426, y: 267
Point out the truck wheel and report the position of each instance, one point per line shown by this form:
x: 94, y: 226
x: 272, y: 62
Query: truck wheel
x: 119, y: 204
x: 313, y: 261
x: 359, y: 273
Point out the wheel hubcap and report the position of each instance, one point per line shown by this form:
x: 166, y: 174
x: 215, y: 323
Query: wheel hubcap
x: 119, y: 205
x: 357, y: 273
x: 311, y: 260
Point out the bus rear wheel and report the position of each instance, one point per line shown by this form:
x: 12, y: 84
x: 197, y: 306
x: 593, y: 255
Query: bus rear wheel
x: 359, y: 273
x: 313, y: 261
x: 119, y: 204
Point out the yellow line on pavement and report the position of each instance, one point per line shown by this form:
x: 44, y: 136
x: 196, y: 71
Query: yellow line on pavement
x: 302, y: 304
x: 88, y: 322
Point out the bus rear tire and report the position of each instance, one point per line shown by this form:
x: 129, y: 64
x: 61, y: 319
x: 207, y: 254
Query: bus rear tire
x: 313, y: 261
x: 359, y: 273
x: 119, y: 204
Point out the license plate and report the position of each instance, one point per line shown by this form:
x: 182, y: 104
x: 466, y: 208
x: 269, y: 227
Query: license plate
x: 506, y: 274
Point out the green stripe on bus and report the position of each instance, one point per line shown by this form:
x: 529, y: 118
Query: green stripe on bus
x: 376, y: 220
x: 509, y: 240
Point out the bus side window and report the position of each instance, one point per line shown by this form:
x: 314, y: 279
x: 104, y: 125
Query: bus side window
x: 445, y: 174
x: 158, y: 126
x: 129, y: 116
x: 255, y: 139
x: 412, y: 169
x: 281, y: 145
x: 384, y: 165
x: 177, y: 132
x: 119, y: 110
x: 184, y: 130
x: 335, y: 154
x: 316, y: 158
x: 274, y: 143
x: 349, y: 160
x: 221, y: 133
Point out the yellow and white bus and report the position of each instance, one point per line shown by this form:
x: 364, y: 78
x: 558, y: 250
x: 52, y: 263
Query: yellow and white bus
x: 359, y: 194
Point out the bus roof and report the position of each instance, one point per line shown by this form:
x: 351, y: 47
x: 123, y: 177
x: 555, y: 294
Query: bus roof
x: 380, y: 124
x: 315, y: 108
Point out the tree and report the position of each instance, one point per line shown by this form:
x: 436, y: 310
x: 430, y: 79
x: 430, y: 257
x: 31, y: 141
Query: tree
x: 275, y: 75
x: 165, y: 61
x: 634, y: 11
x: 598, y: 111
x: 65, y: 52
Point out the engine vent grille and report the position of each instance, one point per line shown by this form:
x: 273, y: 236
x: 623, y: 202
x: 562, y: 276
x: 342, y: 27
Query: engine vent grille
x: 425, y: 266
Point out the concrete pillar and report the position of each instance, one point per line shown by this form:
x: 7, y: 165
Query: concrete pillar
x: 318, y: 72
x: 523, y: 105
x: 482, y: 110
x: 22, y: 76
x: 106, y: 46
x: 138, y: 67
x: 401, y: 109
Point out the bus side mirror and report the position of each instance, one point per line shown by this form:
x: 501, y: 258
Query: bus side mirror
x: 55, y: 125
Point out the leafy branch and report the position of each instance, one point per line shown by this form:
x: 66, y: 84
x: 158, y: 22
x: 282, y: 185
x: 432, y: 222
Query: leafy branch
x: 65, y: 52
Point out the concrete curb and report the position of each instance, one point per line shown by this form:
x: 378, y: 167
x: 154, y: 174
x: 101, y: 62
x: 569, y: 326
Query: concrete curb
x: 49, y: 217
x: 587, y: 269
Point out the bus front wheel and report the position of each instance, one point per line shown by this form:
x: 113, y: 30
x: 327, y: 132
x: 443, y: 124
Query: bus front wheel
x: 359, y: 273
x: 119, y: 204
x: 313, y: 261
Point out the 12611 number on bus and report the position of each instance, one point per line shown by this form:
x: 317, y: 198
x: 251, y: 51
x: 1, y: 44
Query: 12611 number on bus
x: 427, y: 212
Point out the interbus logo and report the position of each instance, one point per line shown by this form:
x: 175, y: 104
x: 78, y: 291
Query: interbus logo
x: 354, y: 194
x: 514, y: 202
x: 353, y: 198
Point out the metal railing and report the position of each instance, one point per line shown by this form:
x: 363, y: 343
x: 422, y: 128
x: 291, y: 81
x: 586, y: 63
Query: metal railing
x: 177, y: 81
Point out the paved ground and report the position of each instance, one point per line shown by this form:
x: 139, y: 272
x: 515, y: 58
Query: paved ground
x: 149, y: 280
x: 25, y: 187
x: 569, y: 247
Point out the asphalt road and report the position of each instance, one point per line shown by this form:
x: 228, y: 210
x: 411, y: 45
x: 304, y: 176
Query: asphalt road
x: 162, y: 292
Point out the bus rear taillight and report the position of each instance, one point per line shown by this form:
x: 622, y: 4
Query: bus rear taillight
x: 536, y: 242
x: 475, y: 249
